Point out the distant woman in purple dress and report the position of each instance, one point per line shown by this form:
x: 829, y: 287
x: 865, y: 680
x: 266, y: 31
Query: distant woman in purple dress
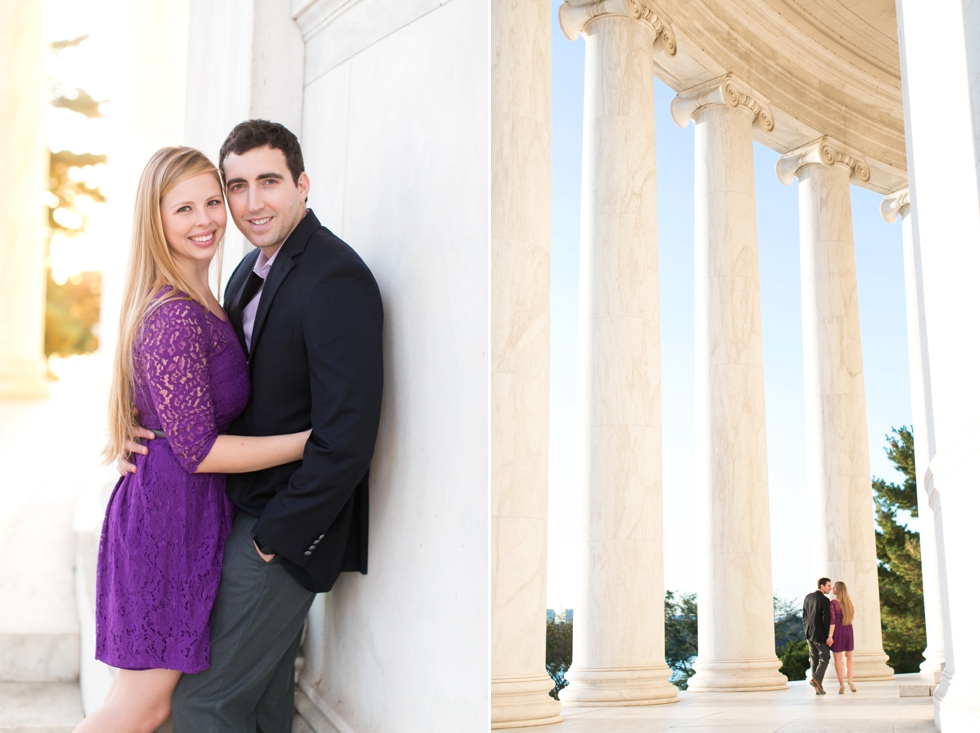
x: 842, y: 634
x: 181, y: 365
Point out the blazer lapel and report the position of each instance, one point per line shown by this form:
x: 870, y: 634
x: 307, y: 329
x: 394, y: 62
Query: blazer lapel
x: 293, y: 247
x: 277, y: 275
x: 233, y: 296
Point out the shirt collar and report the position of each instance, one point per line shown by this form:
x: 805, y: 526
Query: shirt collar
x: 263, y: 264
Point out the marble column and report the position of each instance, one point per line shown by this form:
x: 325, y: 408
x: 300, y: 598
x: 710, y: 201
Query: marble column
x: 736, y: 642
x: 942, y: 137
x: 520, y: 288
x: 23, y: 160
x: 618, y: 653
x: 895, y: 205
x: 841, y: 508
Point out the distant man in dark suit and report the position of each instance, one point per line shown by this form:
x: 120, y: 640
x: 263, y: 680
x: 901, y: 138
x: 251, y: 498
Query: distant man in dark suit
x: 308, y: 314
x: 816, y: 625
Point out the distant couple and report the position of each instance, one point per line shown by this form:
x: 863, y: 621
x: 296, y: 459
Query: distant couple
x: 828, y: 628
x: 204, y: 581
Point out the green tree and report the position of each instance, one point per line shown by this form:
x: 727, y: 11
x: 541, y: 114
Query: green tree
x: 558, y: 653
x: 903, y: 629
x: 680, y: 635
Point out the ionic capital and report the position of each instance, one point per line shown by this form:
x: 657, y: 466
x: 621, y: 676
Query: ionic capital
x: 824, y: 151
x: 723, y: 90
x: 574, y: 19
x: 896, y: 204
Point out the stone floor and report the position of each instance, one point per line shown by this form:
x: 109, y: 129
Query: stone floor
x: 875, y: 707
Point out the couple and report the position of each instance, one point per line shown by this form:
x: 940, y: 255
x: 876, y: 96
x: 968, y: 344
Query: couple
x: 828, y: 627
x: 204, y: 580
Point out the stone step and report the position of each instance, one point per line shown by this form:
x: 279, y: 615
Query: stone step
x: 39, y: 707
x: 916, y: 689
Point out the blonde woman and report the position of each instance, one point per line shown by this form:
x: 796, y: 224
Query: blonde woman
x: 181, y: 365
x: 841, y: 634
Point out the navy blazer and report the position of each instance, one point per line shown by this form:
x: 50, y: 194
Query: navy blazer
x: 315, y: 362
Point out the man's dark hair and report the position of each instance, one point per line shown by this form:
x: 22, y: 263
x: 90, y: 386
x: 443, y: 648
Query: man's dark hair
x: 822, y: 582
x: 253, y: 134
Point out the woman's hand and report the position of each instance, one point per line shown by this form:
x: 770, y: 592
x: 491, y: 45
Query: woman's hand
x: 123, y: 465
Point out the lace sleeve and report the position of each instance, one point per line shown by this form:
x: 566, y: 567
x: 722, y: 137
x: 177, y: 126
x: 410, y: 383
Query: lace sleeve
x: 836, y: 613
x: 174, y: 358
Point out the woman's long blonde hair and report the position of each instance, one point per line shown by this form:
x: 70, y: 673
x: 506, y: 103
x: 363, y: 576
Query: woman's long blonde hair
x: 150, y: 268
x: 840, y: 593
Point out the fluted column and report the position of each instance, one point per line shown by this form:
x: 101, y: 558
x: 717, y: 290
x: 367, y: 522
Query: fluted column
x: 519, y: 353
x: 736, y: 643
x: 23, y: 160
x: 841, y: 508
x: 898, y: 204
x: 618, y: 655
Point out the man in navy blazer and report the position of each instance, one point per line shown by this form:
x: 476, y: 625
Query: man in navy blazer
x: 308, y: 313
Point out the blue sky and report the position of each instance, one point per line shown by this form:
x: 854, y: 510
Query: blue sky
x: 884, y: 339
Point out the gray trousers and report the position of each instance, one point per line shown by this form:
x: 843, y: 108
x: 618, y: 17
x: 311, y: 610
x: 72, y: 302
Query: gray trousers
x: 819, y: 659
x: 256, y: 625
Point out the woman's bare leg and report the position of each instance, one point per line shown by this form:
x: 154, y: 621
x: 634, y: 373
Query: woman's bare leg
x: 138, y: 702
x: 839, y: 667
x: 850, y: 672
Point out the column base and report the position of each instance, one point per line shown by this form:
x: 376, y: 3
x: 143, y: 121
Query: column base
x: 23, y: 380
x: 619, y: 687
x: 737, y: 675
x: 957, y: 706
x: 870, y: 666
x: 516, y: 702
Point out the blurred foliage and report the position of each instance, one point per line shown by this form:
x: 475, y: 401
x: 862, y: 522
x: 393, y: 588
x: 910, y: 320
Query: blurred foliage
x: 558, y: 653
x: 680, y: 635
x: 68, y: 191
x: 72, y: 308
x: 71, y: 314
x: 788, y: 617
x: 903, y: 619
x: 795, y: 656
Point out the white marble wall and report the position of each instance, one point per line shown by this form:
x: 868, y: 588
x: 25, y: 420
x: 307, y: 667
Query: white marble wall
x: 395, y: 142
x: 618, y: 656
x: 24, y: 160
x: 841, y: 508
x: 244, y: 61
x: 940, y: 50
x: 519, y: 360
x: 736, y: 644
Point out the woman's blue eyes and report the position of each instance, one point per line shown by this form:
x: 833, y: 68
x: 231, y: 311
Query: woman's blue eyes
x: 212, y: 202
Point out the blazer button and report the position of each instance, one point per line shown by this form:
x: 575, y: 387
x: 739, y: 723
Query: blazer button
x: 312, y: 547
x: 322, y: 536
x: 307, y: 553
x: 316, y: 542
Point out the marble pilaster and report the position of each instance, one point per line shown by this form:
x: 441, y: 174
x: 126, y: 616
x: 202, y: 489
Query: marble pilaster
x: 519, y: 355
x: 841, y: 509
x: 895, y: 205
x: 736, y: 644
x: 618, y: 656
x: 23, y: 159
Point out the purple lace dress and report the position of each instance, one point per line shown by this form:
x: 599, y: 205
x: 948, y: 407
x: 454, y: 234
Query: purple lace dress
x: 165, y: 527
x: 843, y: 635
